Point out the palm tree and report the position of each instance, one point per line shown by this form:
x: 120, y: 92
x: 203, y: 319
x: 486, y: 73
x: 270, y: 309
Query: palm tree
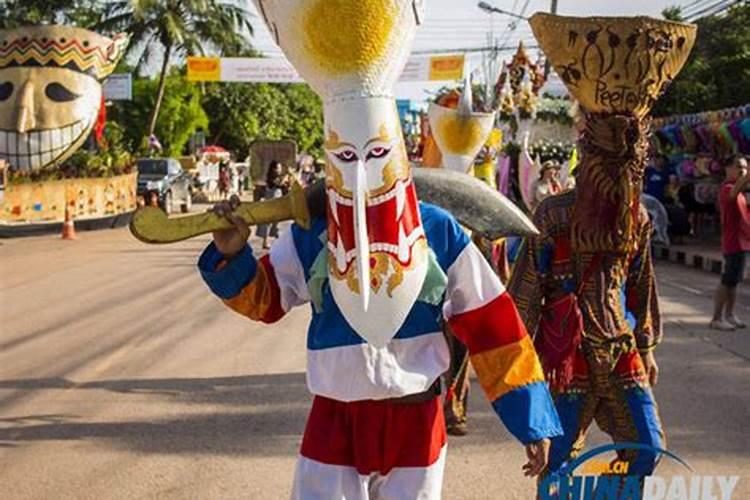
x: 16, y: 13
x: 179, y: 28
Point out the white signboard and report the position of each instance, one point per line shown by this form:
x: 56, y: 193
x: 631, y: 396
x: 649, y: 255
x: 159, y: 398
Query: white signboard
x: 118, y: 87
x: 279, y: 70
x: 245, y: 69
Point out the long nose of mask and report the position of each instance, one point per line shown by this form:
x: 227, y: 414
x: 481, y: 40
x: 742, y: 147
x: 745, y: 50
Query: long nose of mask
x: 361, y: 239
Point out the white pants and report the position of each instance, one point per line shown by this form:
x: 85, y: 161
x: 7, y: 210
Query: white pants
x: 318, y: 481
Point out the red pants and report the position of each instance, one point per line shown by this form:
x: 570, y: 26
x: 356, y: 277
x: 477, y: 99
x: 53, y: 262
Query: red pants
x: 372, y: 449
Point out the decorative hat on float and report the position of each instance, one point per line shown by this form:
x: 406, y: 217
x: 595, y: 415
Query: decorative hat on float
x: 616, y: 67
x: 351, y: 53
x: 460, y: 133
x: 50, y: 91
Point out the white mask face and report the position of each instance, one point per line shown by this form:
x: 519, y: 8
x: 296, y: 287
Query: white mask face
x: 351, y: 53
x: 375, y: 234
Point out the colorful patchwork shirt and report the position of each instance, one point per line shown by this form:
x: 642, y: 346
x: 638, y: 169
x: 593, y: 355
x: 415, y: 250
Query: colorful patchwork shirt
x: 619, y: 300
x: 460, y: 288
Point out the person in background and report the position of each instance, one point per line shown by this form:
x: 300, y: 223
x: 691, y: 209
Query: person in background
x: 658, y: 177
x: 240, y: 180
x: 224, y: 180
x: 319, y: 167
x: 548, y: 183
x: 276, y: 184
x: 306, y: 171
x: 660, y: 181
x: 735, y: 242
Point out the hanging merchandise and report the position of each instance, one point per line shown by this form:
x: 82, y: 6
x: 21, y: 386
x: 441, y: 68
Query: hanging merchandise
x: 717, y: 133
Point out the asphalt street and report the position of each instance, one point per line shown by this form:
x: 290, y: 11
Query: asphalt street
x: 122, y: 377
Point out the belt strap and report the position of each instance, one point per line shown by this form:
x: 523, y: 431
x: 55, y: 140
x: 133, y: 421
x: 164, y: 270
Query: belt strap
x: 419, y: 397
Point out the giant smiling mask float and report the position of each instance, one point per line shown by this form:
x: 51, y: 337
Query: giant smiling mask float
x: 378, y: 255
x: 460, y: 133
x: 50, y: 91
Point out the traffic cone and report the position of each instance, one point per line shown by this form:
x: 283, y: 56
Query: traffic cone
x: 68, y: 229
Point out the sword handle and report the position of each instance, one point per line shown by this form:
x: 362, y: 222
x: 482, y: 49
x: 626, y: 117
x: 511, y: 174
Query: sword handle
x: 151, y: 224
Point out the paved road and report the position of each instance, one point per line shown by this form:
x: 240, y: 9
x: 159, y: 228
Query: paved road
x: 121, y: 377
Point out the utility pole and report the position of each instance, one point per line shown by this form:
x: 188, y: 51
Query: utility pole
x: 553, y: 10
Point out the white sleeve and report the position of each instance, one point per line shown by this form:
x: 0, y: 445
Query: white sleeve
x: 288, y: 270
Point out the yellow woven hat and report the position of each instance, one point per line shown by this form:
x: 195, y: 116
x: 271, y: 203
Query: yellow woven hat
x: 614, y: 64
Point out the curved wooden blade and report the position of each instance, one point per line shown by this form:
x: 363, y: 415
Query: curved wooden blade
x: 151, y: 224
x: 472, y: 202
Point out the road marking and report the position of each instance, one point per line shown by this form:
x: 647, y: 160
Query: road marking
x: 684, y: 288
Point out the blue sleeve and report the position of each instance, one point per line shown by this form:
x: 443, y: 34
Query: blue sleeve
x: 529, y: 413
x: 229, y: 281
x: 444, y: 234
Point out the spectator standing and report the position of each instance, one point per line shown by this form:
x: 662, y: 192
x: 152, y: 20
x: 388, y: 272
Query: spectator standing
x: 658, y: 177
x: 548, y: 183
x: 276, y: 184
x: 224, y: 181
x: 660, y: 181
x: 306, y: 171
x: 735, y: 242
x: 319, y: 169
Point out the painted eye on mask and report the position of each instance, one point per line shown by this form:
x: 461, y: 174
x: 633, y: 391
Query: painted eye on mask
x: 6, y: 90
x: 347, y: 156
x: 58, y: 93
x: 377, y: 152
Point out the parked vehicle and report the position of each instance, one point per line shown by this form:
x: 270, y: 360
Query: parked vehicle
x: 165, y: 179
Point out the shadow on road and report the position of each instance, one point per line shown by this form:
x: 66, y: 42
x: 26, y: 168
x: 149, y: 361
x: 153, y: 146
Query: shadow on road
x: 267, y: 416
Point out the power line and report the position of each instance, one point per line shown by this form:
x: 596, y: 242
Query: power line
x: 695, y: 4
x: 467, y: 50
x: 720, y: 7
x: 433, y: 36
x: 512, y: 27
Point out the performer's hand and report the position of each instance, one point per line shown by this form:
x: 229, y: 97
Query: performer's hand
x: 230, y: 241
x: 538, y: 455
x: 652, y: 369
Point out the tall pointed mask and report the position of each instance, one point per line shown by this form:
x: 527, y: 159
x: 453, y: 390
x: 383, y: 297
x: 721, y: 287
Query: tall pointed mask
x: 616, y: 68
x: 351, y: 53
x: 50, y: 91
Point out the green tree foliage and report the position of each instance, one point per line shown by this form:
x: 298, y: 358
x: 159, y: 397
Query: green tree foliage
x: 182, y: 113
x: 717, y: 73
x: 673, y: 13
x: 241, y: 113
x: 83, y: 13
x: 178, y: 28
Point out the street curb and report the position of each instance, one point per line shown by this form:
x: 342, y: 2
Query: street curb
x: 693, y: 258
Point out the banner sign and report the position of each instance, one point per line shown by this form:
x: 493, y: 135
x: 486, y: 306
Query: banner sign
x: 278, y: 69
x: 433, y: 68
x: 247, y: 69
x: 203, y: 69
x: 118, y: 87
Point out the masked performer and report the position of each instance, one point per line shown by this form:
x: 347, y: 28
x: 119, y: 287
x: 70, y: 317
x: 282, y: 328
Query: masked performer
x: 381, y: 271
x: 50, y: 91
x: 585, y: 286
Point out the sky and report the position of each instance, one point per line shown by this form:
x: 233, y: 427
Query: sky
x: 457, y: 25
